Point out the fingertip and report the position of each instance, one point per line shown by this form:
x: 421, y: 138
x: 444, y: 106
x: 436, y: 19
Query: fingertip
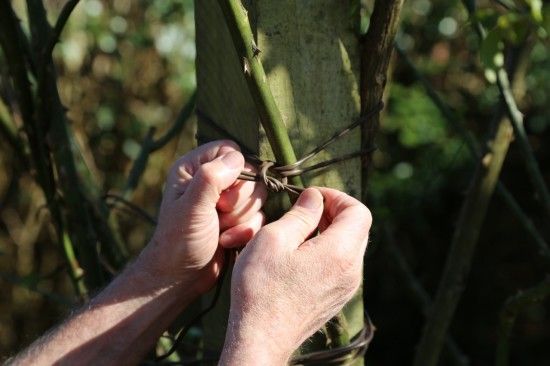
x: 233, y: 160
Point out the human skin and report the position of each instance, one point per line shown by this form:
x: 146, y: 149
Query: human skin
x: 205, y: 209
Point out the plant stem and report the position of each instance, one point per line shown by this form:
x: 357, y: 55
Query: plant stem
x: 149, y: 145
x: 247, y: 51
x: 52, y: 112
x: 473, y: 147
x: 462, y: 248
x: 14, y: 52
x: 509, y: 313
x: 503, y: 83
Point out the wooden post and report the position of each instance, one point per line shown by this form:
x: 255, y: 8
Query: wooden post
x: 310, y: 53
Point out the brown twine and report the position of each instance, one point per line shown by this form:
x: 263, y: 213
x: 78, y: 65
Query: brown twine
x: 276, y: 176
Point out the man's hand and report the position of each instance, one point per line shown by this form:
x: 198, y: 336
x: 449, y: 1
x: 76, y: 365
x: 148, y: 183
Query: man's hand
x: 285, y: 287
x: 202, y: 199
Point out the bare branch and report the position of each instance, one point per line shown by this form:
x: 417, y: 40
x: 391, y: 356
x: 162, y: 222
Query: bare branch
x: 60, y: 25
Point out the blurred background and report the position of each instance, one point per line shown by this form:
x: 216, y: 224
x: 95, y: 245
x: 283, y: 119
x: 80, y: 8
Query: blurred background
x: 127, y: 66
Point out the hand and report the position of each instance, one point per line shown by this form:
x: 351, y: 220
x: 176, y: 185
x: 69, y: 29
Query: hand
x: 202, y: 199
x: 284, y: 287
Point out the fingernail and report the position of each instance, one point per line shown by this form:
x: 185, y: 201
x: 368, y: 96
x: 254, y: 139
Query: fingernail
x: 232, y: 159
x: 310, y: 200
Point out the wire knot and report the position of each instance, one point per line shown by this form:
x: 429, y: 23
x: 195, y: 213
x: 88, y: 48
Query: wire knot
x: 276, y: 177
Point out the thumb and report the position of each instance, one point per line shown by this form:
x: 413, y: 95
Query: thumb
x: 302, y: 220
x: 212, y: 178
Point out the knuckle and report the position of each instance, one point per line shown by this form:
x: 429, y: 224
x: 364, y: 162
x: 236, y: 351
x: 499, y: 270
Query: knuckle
x: 206, y: 174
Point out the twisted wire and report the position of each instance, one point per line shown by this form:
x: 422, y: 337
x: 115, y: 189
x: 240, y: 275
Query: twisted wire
x: 275, y: 176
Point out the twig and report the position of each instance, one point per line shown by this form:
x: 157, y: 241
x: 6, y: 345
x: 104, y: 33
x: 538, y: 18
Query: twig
x: 516, y: 117
x: 509, y: 313
x: 462, y: 247
x: 149, y: 145
x: 59, y: 25
x: 473, y: 147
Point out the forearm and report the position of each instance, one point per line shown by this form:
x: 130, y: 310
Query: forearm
x: 118, y: 326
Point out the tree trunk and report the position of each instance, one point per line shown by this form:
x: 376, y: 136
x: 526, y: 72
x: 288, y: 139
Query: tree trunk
x: 310, y: 53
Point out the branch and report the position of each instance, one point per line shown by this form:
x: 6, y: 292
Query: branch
x: 473, y: 147
x: 149, y: 145
x: 14, y: 51
x: 59, y: 25
x: 52, y: 112
x: 503, y: 83
x: 516, y: 117
x: 247, y: 51
x: 376, y: 52
x: 40, y: 154
x: 466, y: 236
x: 509, y: 313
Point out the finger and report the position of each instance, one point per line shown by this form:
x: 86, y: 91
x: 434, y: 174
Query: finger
x: 187, y: 166
x: 211, y: 179
x: 246, y: 210
x: 344, y: 217
x: 240, y: 193
x: 298, y: 223
x: 238, y: 236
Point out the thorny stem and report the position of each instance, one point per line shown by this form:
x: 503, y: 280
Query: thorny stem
x: 247, y: 51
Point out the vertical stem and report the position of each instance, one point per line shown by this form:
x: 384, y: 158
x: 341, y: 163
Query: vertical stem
x: 462, y: 249
x: 270, y: 116
x: 52, y: 112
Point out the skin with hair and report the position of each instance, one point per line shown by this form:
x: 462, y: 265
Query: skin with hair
x: 277, y: 299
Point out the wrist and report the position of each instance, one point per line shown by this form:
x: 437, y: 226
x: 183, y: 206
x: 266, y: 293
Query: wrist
x: 156, y: 280
x: 253, y: 345
x: 154, y: 264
